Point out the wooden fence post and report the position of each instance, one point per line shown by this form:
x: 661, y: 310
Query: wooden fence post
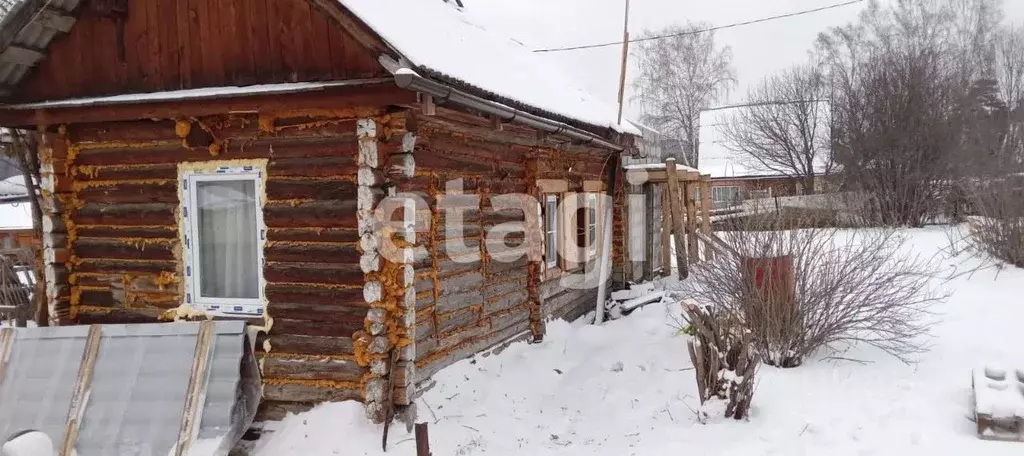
x: 705, y: 209
x: 422, y: 440
x: 690, y: 198
x: 666, y: 234
x: 678, y: 224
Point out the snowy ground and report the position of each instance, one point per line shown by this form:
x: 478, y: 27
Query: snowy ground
x: 623, y: 389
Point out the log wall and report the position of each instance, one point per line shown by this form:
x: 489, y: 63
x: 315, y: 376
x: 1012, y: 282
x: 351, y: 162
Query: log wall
x: 115, y: 254
x: 469, y: 297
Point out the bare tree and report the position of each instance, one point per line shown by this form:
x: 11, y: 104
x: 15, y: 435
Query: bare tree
x: 786, y: 127
x: 680, y: 76
x: 898, y: 83
x: 1009, y: 65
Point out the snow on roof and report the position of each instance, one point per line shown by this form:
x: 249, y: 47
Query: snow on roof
x: 194, y: 94
x: 15, y: 216
x: 440, y: 39
x: 718, y: 160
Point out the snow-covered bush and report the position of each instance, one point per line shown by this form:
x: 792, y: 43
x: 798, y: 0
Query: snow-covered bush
x: 723, y: 358
x: 804, y: 290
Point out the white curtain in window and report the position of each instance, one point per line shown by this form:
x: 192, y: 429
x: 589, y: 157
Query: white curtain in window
x: 228, y: 239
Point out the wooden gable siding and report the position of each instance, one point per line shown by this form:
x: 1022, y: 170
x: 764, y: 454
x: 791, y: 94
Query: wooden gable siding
x: 184, y: 44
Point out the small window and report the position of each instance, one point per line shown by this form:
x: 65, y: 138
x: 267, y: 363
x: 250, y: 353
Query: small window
x: 224, y: 237
x: 592, y: 224
x: 551, y: 231
x: 725, y: 196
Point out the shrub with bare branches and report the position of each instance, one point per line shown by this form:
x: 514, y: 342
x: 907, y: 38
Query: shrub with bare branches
x: 998, y: 227
x: 723, y: 358
x: 805, y: 290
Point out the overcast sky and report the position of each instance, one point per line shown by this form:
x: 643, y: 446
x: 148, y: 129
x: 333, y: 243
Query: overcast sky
x: 758, y: 50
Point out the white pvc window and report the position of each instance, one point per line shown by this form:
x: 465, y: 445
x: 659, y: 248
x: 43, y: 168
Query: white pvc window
x: 551, y: 231
x: 222, y: 217
x: 592, y: 224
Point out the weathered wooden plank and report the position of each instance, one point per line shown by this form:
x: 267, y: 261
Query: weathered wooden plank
x: 133, y: 131
x: 89, y: 316
x: 311, y: 368
x: 333, y: 274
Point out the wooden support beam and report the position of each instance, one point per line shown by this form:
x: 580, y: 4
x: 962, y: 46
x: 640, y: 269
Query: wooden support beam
x: 705, y: 210
x: 666, y: 234
x: 197, y: 382
x: 81, y: 391
x: 678, y: 217
x: 690, y: 199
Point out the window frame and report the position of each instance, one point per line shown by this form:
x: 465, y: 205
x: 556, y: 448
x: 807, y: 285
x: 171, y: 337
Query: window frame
x: 190, y: 227
x: 551, y: 258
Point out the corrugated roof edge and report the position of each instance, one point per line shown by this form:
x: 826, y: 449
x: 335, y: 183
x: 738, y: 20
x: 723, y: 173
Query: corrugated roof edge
x: 625, y: 128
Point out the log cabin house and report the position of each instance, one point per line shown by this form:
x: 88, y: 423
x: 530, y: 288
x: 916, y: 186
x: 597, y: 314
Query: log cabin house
x: 231, y: 159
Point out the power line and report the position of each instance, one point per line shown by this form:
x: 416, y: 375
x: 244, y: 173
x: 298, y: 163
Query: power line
x: 695, y: 32
x: 765, y: 103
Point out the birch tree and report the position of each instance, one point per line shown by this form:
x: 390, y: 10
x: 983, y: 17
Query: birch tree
x: 679, y: 76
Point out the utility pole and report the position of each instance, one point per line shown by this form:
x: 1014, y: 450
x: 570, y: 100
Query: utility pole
x: 625, y: 57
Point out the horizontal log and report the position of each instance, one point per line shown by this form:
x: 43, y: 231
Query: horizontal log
x: 299, y: 344
x: 457, y: 319
x: 439, y: 161
x: 461, y: 283
x: 334, y: 274
x: 311, y: 368
x: 125, y: 214
x: 313, y: 295
x: 161, y: 301
x: 285, y: 252
x: 278, y: 410
x: 166, y: 153
x: 505, y: 302
x: 157, y: 232
x: 313, y: 234
x: 317, y: 327
x: 127, y: 172
x: 343, y: 164
x: 131, y: 193
x: 120, y: 249
x: 459, y: 301
x: 302, y: 392
x: 315, y: 214
x: 116, y: 316
x: 98, y: 298
x: 108, y: 266
x: 311, y: 189
x: 124, y: 131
